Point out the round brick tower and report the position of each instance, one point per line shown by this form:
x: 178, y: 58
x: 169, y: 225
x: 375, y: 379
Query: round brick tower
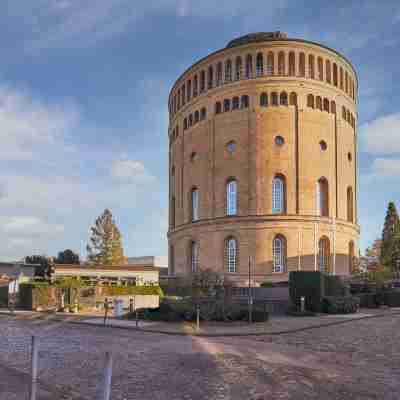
x: 263, y: 161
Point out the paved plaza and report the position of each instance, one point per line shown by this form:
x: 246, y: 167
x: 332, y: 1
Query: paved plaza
x: 356, y: 360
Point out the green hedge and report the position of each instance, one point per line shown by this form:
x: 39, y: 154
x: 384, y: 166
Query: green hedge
x: 3, y: 296
x: 392, y: 298
x: 340, y: 304
x: 121, y: 290
x: 333, y: 286
x: 309, y: 284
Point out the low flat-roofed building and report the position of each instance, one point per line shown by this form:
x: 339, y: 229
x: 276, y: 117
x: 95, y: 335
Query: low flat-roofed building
x: 17, y: 271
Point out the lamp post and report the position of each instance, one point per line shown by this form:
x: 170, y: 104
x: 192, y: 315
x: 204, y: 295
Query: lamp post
x: 250, y: 297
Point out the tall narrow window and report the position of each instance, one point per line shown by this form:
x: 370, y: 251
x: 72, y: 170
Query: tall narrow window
x: 194, y: 256
x: 292, y: 64
x: 238, y: 70
x: 235, y: 103
x: 311, y: 67
x: 228, y: 71
x: 281, y: 63
x: 196, y: 116
x: 195, y: 204
x: 203, y: 114
x: 260, y: 65
x: 179, y: 98
x: 335, y: 74
x: 227, y: 105
x: 231, y: 254
x: 302, y: 65
x: 274, y: 98
x: 264, y: 100
x: 333, y: 107
x: 322, y: 197
x: 310, y: 101
x: 341, y: 77
x: 326, y: 105
x: 270, y: 63
x: 279, y: 254
x: 202, y: 81
x: 219, y: 74
x: 350, y: 208
x: 210, y: 77
x: 183, y: 91
x: 293, y: 99
x: 195, y: 86
x: 231, y: 197
x: 249, y: 66
x: 218, y: 107
x: 283, y: 99
x: 328, y: 71
x: 278, y: 195
x: 323, y: 254
x: 320, y: 69
x: 346, y: 81
x: 318, y: 103
x: 188, y: 90
x: 244, y: 101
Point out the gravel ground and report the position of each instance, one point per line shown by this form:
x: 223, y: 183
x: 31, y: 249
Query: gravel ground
x: 357, y: 360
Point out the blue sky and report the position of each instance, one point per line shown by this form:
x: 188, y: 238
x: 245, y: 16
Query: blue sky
x: 83, y: 107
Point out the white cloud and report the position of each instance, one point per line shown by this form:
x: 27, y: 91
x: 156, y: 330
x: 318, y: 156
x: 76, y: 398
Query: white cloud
x: 27, y: 126
x: 130, y: 171
x: 28, y: 226
x: 386, y: 167
x: 382, y: 135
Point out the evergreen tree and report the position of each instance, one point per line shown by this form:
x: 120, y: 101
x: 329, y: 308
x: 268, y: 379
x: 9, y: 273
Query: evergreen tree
x: 390, y: 233
x: 105, y: 242
x: 67, y: 257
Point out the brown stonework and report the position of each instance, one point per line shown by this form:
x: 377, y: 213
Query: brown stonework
x: 331, y: 123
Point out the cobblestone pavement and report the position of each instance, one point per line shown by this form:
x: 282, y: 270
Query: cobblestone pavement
x: 357, y: 360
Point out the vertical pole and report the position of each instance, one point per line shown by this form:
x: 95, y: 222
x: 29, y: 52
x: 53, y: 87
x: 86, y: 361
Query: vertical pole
x: 34, y: 367
x: 198, y: 318
x: 250, y: 297
x: 107, y: 377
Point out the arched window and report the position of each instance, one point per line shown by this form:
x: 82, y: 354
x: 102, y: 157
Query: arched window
x: 189, y: 90
x: 228, y: 71
x: 210, y: 77
x: 270, y: 63
x: 231, y: 254
x: 202, y: 81
x: 249, y: 66
x: 341, y: 77
x: 194, y: 256
x: 244, y: 101
x: 346, y: 81
x: 328, y: 71
x: 333, y: 107
x: 196, y: 117
x: 185, y: 125
x: 227, y: 105
x: 350, y: 208
x: 274, y: 99
x: 311, y: 67
x: 218, y: 107
x: 183, y: 91
x: 219, y: 73
x: 190, y: 120
x: 238, y: 69
x: 326, y: 105
x: 318, y: 103
x: 293, y: 99
x: 194, y: 196
x: 264, y: 100
x: 278, y: 195
x: 279, y: 254
x: 283, y: 99
x: 231, y: 197
x: 292, y: 64
x: 323, y: 197
x: 235, y: 103
x: 179, y: 99
x: 195, y: 86
x: 310, y: 101
x: 348, y: 116
x: 281, y: 63
x: 260, y: 65
x: 351, y: 256
x: 203, y: 114
x: 343, y: 113
x: 302, y: 65
x: 335, y: 74
x: 324, y: 254
x: 320, y: 69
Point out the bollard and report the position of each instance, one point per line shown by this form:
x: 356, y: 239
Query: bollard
x: 137, y: 319
x: 131, y: 305
x: 198, y: 318
x: 105, y: 309
x: 34, y: 367
x: 106, y: 392
x: 302, y: 304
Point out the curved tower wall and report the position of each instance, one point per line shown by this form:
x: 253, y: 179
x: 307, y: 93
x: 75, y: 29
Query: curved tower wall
x: 315, y: 114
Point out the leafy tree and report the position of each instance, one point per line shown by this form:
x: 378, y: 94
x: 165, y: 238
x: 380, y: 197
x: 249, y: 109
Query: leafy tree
x: 105, y: 242
x: 67, y: 257
x: 390, y: 233
x: 44, y: 266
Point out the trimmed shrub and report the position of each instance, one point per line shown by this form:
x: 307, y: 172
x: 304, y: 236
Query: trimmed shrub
x: 267, y: 285
x: 340, y: 304
x: 392, y: 298
x: 334, y: 286
x: 309, y: 284
x: 121, y: 290
x: 367, y: 300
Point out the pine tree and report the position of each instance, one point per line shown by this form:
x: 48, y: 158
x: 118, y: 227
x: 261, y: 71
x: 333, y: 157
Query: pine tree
x: 390, y: 233
x: 105, y: 242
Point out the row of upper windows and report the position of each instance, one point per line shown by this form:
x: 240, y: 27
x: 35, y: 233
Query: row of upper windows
x: 229, y: 71
x: 279, y: 199
x: 273, y: 99
x: 279, y: 255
